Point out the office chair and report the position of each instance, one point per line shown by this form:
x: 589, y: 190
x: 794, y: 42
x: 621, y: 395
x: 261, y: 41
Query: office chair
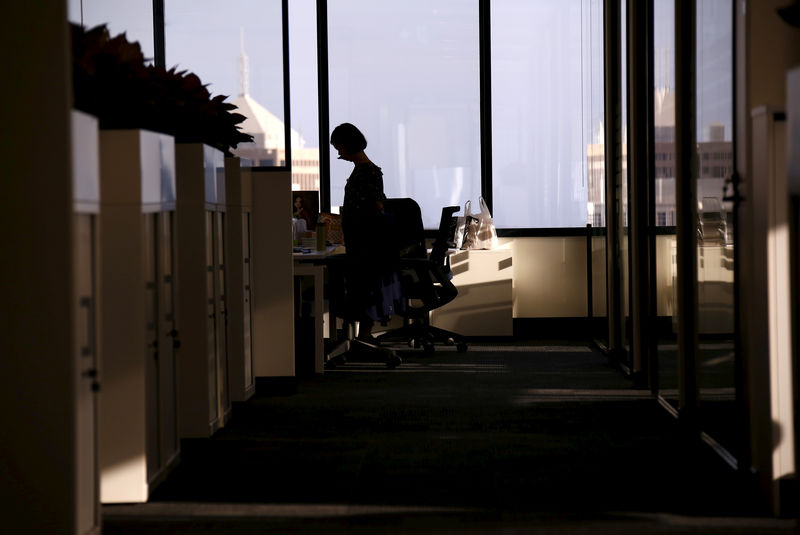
x: 425, y: 279
x: 344, y: 347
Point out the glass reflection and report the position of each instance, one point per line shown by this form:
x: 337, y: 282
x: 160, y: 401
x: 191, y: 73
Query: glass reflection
x: 623, y: 223
x: 664, y: 189
x: 715, y: 270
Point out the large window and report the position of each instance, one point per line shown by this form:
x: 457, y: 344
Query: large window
x: 132, y: 17
x: 304, y: 84
x: 547, y: 113
x: 406, y: 72
x: 664, y: 110
x: 236, y: 48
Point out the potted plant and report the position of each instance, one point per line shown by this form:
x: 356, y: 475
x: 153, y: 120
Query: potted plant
x: 113, y: 82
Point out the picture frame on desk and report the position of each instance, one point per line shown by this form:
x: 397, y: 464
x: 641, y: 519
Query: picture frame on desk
x: 305, y: 205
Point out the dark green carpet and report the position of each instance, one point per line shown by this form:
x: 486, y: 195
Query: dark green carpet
x: 501, y: 437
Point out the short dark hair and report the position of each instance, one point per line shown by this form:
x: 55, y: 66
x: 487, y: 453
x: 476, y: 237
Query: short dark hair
x: 349, y: 137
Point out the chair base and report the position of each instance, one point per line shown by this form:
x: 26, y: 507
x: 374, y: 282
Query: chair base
x: 355, y: 350
x: 420, y: 333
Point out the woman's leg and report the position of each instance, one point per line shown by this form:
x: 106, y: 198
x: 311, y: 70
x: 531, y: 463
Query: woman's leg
x: 365, y: 330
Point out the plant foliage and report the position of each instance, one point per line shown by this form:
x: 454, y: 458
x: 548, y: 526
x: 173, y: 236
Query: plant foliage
x: 113, y: 82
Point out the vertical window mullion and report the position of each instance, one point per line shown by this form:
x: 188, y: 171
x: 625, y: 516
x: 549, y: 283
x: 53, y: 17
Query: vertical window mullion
x: 287, y: 123
x: 158, y: 34
x: 485, y: 52
x: 323, y: 105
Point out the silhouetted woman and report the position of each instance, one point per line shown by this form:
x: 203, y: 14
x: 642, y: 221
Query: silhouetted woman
x: 372, y: 284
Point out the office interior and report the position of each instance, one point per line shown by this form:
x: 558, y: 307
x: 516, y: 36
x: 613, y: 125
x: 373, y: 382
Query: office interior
x: 698, y: 309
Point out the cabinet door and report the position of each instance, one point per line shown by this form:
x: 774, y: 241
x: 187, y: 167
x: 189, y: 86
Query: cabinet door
x: 85, y: 351
x: 222, y: 316
x: 151, y: 349
x: 168, y: 339
x: 211, y: 331
x: 248, y: 303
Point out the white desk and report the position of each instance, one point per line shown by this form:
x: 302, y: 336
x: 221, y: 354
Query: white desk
x: 309, y: 265
x: 484, y: 305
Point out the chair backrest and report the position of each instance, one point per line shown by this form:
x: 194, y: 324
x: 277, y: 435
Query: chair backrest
x: 423, y: 278
x: 408, y: 230
x: 445, y: 236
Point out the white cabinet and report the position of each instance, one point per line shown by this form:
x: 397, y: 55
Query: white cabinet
x: 484, y: 305
x: 238, y: 186
x: 273, y: 273
x: 204, y: 403
x: 139, y: 326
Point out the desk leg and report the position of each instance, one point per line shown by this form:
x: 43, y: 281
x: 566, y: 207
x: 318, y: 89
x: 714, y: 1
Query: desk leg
x: 317, y: 273
x: 319, y: 319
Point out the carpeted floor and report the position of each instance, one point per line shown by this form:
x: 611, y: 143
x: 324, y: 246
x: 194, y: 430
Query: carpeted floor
x: 503, y: 438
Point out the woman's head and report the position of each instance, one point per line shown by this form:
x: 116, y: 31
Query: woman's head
x: 348, y: 140
x: 298, y: 201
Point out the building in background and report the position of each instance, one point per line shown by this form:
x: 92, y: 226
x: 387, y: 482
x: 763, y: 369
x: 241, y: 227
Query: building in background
x: 715, y: 165
x: 268, y: 147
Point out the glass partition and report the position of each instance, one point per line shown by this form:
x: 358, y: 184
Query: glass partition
x: 406, y: 73
x: 715, y: 220
x: 624, y: 235
x: 664, y: 190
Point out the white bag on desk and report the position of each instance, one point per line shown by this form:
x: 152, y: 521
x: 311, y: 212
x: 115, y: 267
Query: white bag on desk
x: 477, y: 230
x: 298, y: 229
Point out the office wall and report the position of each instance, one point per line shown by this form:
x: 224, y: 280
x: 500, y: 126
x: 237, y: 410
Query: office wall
x: 550, y: 279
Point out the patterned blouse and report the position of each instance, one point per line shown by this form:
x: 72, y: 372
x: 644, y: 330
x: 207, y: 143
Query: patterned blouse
x: 360, y: 209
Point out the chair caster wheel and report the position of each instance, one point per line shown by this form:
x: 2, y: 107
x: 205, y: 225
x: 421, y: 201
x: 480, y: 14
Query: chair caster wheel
x: 461, y: 348
x: 393, y: 362
x: 450, y: 342
x: 336, y: 361
x: 428, y: 348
